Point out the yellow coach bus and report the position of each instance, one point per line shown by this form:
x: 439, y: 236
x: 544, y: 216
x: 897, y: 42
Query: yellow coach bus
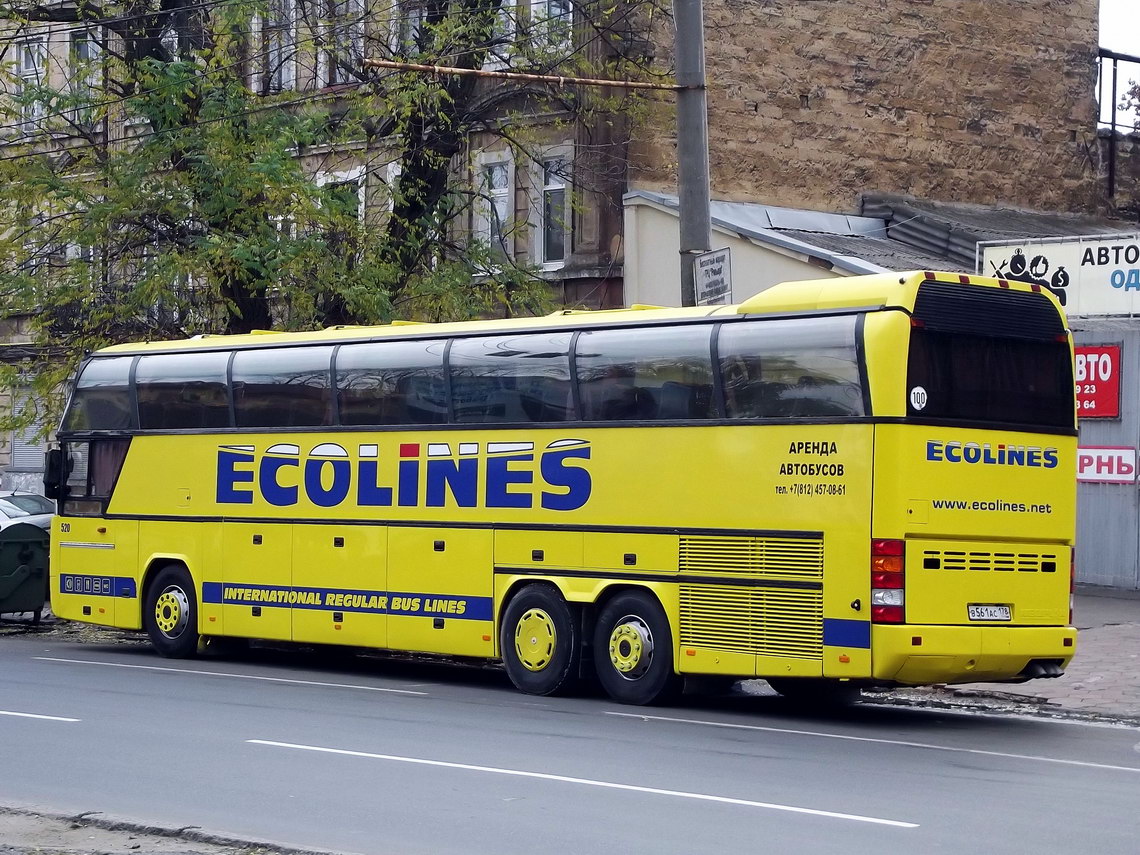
x: 835, y: 483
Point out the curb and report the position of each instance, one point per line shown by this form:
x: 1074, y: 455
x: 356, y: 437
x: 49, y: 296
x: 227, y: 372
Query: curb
x: 190, y: 833
x: 993, y: 703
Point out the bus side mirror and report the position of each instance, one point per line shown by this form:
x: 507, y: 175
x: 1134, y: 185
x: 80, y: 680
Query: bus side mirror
x: 53, y: 473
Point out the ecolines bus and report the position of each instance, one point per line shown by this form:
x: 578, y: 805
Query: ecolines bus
x: 835, y: 483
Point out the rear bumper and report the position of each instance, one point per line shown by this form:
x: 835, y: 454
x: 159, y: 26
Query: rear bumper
x: 921, y: 654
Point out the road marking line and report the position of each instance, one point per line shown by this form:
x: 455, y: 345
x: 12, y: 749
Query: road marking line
x: 34, y: 715
x: 901, y: 742
x: 587, y: 782
x: 235, y: 676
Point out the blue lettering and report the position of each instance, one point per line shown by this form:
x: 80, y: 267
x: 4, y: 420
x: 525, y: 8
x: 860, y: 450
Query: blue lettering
x: 315, y: 488
x: 460, y: 476
x: 988, y: 455
x: 575, y: 479
x: 409, y: 483
x: 271, y: 488
x: 1015, y: 455
x: 933, y: 450
x: 229, y: 477
x: 1050, y: 456
x: 1034, y: 457
x: 953, y: 452
x: 972, y: 452
x: 369, y: 493
x: 500, y: 477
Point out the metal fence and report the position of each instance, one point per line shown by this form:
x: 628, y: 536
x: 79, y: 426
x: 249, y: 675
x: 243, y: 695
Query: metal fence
x: 1118, y: 73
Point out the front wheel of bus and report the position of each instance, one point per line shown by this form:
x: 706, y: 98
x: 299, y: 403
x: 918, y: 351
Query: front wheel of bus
x: 170, y: 613
x: 633, y: 650
x: 540, y: 641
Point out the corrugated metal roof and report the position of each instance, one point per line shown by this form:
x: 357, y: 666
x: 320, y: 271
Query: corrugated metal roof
x: 952, y: 230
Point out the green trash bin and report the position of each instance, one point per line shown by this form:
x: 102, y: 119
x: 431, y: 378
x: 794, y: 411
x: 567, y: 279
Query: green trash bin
x: 23, y: 569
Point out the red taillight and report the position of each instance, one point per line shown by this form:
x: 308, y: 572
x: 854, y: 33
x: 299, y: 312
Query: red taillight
x: 888, y: 580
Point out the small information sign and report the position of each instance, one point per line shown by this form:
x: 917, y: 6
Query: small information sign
x: 712, y: 274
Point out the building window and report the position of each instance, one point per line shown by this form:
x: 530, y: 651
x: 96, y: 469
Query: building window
x: 86, y: 73
x: 553, y: 22
x: 342, y: 56
x: 31, y: 64
x: 275, y: 48
x: 501, y: 43
x: 409, y: 29
x: 554, y: 213
x: 493, y: 207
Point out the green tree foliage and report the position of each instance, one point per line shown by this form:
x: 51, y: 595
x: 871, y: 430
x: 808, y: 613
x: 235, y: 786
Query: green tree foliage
x: 158, y: 178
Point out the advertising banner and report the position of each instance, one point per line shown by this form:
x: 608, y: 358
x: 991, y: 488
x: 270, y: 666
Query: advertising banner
x: 1097, y: 375
x: 1106, y: 464
x: 1095, y: 275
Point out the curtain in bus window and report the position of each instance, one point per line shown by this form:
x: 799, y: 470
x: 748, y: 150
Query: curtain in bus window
x: 282, y: 387
x: 183, y: 391
x: 93, y: 467
x: 102, y: 398
x: 391, y: 383
x: 654, y: 373
x: 991, y: 379
x: 517, y: 378
x: 795, y: 368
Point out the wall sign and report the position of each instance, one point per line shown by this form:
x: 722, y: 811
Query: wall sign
x: 1093, y: 275
x: 1097, y: 376
x: 1106, y: 464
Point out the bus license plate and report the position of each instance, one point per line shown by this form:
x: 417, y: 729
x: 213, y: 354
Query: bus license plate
x: 980, y: 612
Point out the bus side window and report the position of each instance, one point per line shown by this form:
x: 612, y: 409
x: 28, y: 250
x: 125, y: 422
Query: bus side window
x: 650, y: 374
x: 282, y: 387
x: 102, y: 399
x: 183, y: 391
x: 391, y: 383
x: 790, y: 368
x: 514, y: 378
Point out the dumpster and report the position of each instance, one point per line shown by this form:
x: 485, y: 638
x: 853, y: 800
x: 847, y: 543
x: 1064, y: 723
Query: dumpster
x: 23, y: 569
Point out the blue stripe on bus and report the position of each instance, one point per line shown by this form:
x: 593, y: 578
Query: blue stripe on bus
x: 102, y: 586
x: 838, y: 632
x: 348, y: 600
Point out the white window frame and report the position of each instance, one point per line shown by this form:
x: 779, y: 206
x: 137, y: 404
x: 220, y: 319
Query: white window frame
x: 31, y: 69
x: 336, y: 36
x: 543, y: 28
x: 503, y: 37
x: 483, y: 209
x: 347, y: 176
x: 85, y: 74
x: 273, y: 64
x: 565, y: 154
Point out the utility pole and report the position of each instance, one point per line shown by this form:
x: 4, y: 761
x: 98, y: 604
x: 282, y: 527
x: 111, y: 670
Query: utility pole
x: 693, y: 189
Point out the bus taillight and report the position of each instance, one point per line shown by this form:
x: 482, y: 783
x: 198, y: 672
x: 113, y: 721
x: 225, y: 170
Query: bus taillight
x: 888, y: 581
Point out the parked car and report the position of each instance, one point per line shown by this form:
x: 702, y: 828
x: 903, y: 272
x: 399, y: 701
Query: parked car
x: 18, y: 507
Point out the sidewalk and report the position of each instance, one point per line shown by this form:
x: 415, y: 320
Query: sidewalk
x: 1104, y: 676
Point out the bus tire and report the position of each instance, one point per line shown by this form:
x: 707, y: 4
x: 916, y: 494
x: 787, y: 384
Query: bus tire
x: 540, y: 641
x: 633, y: 650
x: 815, y: 691
x: 170, y: 613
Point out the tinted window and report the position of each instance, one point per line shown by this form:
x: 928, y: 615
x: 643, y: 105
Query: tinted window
x: 102, y: 400
x: 801, y: 368
x: 183, y: 390
x: 637, y: 374
x: 391, y: 383
x: 989, y: 379
x: 519, y: 378
x: 282, y: 387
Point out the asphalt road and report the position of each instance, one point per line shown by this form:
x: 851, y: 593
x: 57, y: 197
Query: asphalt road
x: 383, y: 757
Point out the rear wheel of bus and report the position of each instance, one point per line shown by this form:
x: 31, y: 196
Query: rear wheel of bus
x: 540, y: 640
x: 170, y: 613
x: 633, y: 650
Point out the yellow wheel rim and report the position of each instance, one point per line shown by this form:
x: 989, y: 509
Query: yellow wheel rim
x: 535, y: 639
x: 631, y: 647
x: 171, y: 611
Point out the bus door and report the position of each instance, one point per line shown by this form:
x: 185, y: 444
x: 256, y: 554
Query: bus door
x: 339, y: 575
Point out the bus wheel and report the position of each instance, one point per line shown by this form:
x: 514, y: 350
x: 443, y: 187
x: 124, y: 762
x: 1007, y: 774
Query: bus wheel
x: 813, y: 691
x: 633, y: 650
x: 170, y: 613
x: 539, y: 640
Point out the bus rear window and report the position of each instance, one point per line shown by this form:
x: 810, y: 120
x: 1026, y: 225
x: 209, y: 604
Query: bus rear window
x: 990, y: 379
